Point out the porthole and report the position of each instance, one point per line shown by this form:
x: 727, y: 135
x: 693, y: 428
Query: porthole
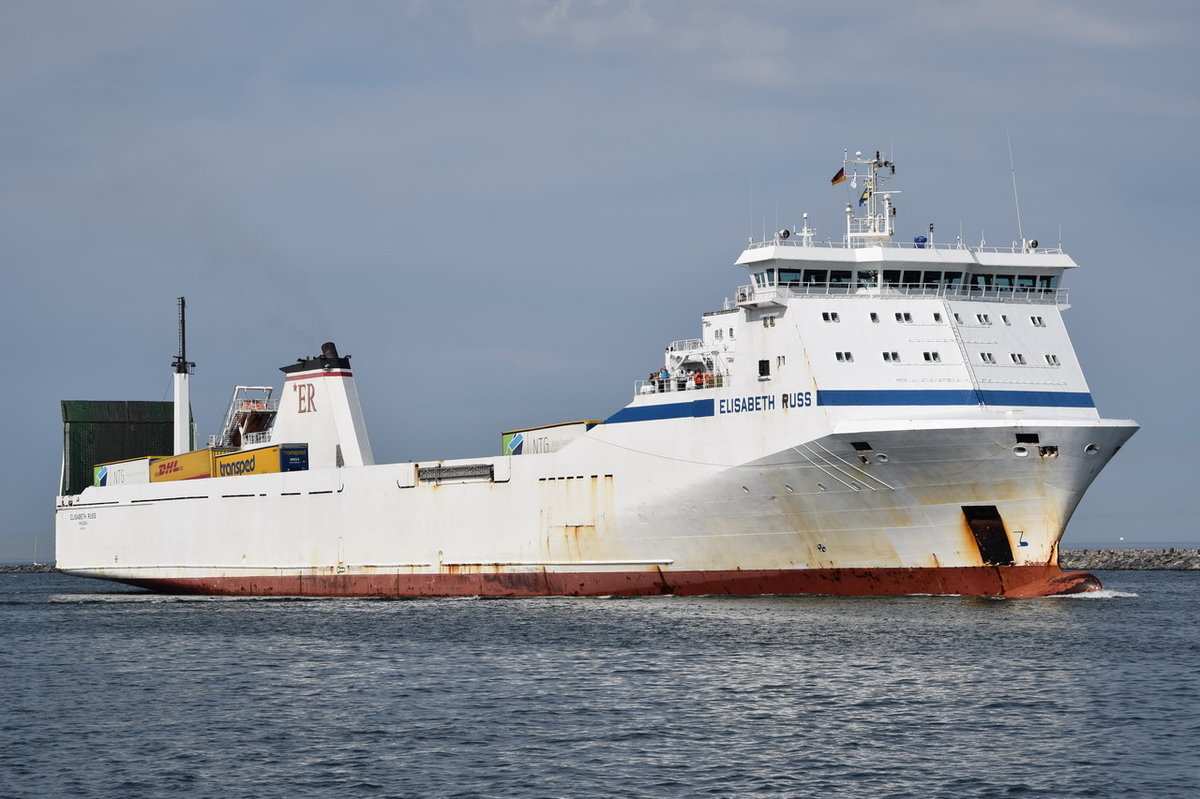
x: 821, y: 486
x: 1091, y: 449
x: 788, y: 487
x: 746, y: 489
x: 881, y: 458
x: 1020, y: 451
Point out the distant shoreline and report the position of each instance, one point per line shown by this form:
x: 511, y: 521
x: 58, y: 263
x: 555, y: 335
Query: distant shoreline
x: 1170, y: 559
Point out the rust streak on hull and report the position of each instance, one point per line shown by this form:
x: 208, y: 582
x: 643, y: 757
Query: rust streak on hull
x: 1000, y: 581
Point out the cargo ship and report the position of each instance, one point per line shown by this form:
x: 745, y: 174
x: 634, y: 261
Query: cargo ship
x: 861, y: 416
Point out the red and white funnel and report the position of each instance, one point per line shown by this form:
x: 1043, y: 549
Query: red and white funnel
x: 319, y: 406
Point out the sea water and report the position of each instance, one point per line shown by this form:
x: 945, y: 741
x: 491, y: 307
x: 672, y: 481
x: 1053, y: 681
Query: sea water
x: 113, y: 692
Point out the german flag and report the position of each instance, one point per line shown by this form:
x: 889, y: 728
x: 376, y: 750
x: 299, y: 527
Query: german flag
x: 839, y: 177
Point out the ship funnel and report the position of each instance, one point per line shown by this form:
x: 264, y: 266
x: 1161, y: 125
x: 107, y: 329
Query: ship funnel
x: 319, y: 407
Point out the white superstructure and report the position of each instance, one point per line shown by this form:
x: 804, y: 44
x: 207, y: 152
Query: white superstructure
x: 865, y: 417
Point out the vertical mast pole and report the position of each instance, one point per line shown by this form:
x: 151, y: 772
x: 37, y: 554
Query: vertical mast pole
x: 182, y: 416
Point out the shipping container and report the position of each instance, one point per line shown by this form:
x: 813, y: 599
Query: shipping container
x: 264, y: 460
x: 188, y: 466
x: 543, y: 439
x: 128, y: 472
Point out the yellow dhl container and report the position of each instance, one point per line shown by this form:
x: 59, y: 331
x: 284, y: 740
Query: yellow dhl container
x: 188, y: 466
x: 264, y: 460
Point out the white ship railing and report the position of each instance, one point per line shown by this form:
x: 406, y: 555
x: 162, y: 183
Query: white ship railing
x: 685, y: 344
x: 1040, y: 296
x: 681, y: 382
x: 1015, y: 247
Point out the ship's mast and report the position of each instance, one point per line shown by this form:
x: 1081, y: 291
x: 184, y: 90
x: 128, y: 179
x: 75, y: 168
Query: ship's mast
x: 876, y: 227
x: 182, y: 367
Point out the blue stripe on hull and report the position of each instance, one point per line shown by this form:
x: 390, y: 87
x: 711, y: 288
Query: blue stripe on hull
x: 1039, y: 399
x: 882, y: 397
x: 670, y: 410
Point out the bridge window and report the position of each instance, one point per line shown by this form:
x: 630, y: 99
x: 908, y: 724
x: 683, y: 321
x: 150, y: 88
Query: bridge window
x: 815, y: 276
x: 868, y: 277
x: 932, y: 279
x: 891, y: 277
x: 1026, y: 281
x: 789, y: 277
x: 911, y: 277
x: 981, y: 282
x: 1004, y: 282
x: 1047, y: 282
x: 840, y: 276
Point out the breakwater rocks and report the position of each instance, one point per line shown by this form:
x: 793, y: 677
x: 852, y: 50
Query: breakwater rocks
x: 27, y: 568
x: 1174, y: 559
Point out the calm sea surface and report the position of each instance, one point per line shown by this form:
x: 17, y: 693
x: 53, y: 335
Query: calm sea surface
x: 111, y: 692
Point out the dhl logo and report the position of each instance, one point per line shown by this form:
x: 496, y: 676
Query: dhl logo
x: 163, y: 468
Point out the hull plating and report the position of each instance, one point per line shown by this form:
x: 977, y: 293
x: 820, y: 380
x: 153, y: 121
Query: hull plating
x: 1010, y: 581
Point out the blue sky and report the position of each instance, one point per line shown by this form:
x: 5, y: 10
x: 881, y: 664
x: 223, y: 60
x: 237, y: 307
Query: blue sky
x: 504, y: 210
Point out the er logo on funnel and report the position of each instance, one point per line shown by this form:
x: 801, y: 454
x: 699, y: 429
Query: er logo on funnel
x: 304, y: 394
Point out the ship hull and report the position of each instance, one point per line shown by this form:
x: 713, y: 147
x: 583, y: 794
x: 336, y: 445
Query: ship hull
x: 1026, y: 581
x: 951, y: 510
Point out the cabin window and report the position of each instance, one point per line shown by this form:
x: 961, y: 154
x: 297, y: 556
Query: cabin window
x: 874, y: 317
x: 1052, y: 360
x: 844, y: 357
x: 987, y: 357
x: 1018, y: 358
x: 891, y: 357
x: 937, y: 316
x: 1004, y: 319
x: 780, y: 360
x: 831, y: 316
x: 933, y: 357
x: 958, y: 319
x: 1037, y: 321
x: 764, y: 368
x: 903, y: 317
